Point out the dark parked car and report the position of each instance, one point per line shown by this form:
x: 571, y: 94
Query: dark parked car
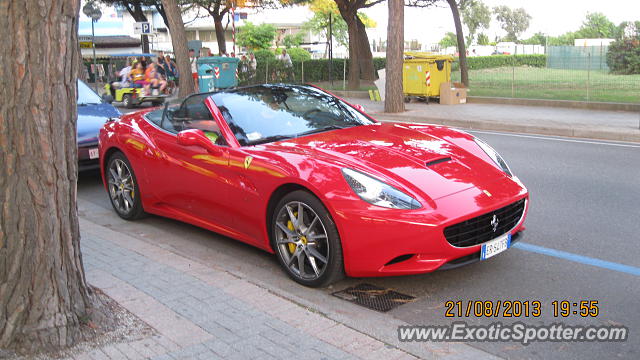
x: 93, y: 112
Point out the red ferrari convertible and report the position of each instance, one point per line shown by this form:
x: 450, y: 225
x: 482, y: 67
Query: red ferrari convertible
x: 302, y: 174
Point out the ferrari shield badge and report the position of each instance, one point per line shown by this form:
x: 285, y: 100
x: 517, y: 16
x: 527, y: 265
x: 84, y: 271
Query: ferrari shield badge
x: 247, y: 161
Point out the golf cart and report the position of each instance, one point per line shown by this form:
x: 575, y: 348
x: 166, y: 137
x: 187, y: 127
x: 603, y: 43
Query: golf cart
x: 132, y: 95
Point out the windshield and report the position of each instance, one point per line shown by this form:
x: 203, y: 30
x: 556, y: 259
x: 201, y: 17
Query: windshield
x: 269, y: 113
x: 86, y: 96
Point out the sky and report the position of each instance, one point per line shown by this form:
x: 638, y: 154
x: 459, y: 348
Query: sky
x: 554, y: 17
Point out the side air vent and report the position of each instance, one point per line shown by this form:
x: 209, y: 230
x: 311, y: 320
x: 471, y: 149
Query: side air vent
x: 438, y: 161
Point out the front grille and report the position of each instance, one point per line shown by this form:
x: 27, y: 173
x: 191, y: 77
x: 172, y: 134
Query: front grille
x: 480, y: 229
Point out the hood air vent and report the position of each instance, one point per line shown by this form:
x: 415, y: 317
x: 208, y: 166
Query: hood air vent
x: 438, y: 161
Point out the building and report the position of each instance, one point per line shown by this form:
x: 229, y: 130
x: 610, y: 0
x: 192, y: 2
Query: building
x: 199, y: 26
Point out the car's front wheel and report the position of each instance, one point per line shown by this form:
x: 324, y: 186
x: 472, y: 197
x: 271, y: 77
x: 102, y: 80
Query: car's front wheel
x: 306, y: 240
x: 123, y: 188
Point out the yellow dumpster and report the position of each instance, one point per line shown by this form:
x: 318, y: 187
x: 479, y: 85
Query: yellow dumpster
x: 422, y: 74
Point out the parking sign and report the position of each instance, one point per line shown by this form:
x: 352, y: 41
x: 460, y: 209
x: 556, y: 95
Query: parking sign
x: 142, y: 28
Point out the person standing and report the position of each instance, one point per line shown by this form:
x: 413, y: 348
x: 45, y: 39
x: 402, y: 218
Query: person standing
x: 286, y: 59
x: 194, y: 68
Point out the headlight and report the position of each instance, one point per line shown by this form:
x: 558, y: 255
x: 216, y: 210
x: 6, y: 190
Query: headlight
x: 494, y: 156
x: 378, y: 193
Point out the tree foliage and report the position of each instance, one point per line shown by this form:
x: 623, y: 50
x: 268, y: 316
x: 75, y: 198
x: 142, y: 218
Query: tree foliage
x: 476, y: 16
x: 319, y: 23
x: 623, y: 56
x: 513, y: 21
x: 483, y: 39
x: 293, y: 40
x: 449, y: 40
x: 597, y: 26
x: 256, y: 37
x: 538, y: 38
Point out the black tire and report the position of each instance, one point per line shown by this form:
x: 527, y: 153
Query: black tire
x: 132, y: 211
x: 407, y: 99
x: 127, y: 101
x: 333, y: 269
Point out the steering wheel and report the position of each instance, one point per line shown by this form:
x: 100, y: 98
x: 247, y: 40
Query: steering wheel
x: 309, y: 112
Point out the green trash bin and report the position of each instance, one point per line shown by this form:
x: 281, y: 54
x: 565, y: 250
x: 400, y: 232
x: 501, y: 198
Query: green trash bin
x: 222, y: 68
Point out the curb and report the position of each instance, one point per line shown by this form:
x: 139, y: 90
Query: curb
x: 631, y: 135
x: 571, y: 104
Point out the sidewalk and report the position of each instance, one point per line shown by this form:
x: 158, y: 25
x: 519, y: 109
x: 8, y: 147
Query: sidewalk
x: 594, y: 124
x: 203, y: 312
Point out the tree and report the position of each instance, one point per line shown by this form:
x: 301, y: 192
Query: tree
x: 462, y: 52
x: 476, y: 15
x: 360, y: 56
x: 597, y: 26
x: 217, y: 9
x: 623, y: 56
x: 180, y: 49
x: 319, y: 23
x: 293, y: 40
x: 513, y: 21
x: 394, y: 97
x: 483, y: 39
x: 256, y: 37
x: 459, y: 36
x: 44, y: 295
x: 538, y: 38
x: 449, y: 40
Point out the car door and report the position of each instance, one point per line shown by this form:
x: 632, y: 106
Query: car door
x: 192, y: 180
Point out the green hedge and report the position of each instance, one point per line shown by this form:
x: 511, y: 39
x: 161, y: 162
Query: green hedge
x: 495, y: 61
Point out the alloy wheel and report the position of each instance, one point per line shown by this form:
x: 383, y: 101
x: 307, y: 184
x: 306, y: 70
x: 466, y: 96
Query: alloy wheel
x: 302, y: 240
x: 121, y: 186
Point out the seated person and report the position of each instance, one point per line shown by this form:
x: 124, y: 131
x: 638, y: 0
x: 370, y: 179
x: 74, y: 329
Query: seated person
x: 154, y: 79
x: 137, y: 76
x: 124, y: 79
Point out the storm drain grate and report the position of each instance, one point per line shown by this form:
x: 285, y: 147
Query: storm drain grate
x: 374, y: 297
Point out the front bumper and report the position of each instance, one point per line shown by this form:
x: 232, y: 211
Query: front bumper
x: 383, y: 242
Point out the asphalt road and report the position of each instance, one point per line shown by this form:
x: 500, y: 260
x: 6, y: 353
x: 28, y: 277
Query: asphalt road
x: 585, y: 200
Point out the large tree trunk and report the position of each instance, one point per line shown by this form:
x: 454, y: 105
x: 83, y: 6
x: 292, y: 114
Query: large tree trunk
x: 462, y: 50
x: 354, y: 50
x: 220, y: 38
x: 367, y: 70
x: 43, y: 291
x: 394, y: 97
x: 179, y: 41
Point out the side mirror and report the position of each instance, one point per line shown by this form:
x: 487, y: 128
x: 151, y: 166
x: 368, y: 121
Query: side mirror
x: 359, y: 107
x: 196, y: 137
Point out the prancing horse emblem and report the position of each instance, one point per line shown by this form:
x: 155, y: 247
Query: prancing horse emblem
x: 247, y: 161
x: 494, y: 223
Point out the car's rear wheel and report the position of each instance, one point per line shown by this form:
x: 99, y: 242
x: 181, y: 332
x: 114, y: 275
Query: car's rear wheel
x: 306, y: 240
x: 123, y: 188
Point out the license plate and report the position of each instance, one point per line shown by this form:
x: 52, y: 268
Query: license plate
x: 495, y: 246
x: 93, y: 153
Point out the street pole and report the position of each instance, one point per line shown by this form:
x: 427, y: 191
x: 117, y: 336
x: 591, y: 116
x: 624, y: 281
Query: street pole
x: 330, y: 49
x: 93, y: 46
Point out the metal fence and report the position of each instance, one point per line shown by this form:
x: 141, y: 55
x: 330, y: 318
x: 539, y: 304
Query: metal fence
x: 571, y: 73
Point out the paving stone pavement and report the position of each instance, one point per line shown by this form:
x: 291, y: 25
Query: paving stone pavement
x: 201, y: 312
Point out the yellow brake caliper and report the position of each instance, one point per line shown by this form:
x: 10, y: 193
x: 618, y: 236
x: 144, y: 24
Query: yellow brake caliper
x: 292, y: 246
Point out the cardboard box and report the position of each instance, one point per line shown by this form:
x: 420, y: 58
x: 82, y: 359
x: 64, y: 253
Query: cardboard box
x: 452, y: 95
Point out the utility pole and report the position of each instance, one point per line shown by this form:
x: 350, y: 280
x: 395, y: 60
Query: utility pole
x: 92, y: 11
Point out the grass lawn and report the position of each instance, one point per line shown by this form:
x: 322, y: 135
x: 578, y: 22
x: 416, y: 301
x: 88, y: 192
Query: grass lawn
x: 557, y: 84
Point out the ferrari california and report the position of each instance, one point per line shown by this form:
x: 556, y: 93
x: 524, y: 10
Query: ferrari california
x: 303, y: 174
